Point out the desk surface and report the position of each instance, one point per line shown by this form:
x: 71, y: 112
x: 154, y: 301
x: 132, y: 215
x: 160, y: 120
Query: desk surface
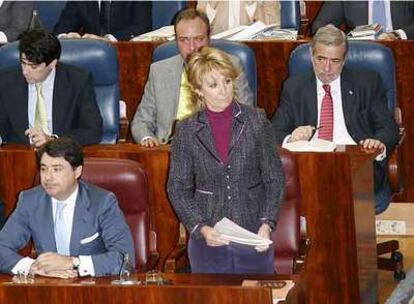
x: 184, y: 288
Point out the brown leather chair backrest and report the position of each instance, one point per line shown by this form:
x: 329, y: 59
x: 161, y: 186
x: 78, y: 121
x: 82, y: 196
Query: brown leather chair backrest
x: 286, y: 236
x: 127, y: 179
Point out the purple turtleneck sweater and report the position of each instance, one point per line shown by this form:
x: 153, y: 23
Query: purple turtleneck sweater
x: 220, y: 124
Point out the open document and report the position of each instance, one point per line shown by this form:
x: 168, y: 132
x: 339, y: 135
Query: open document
x: 365, y: 32
x: 257, y: 31
x: 315, y: 145
x: 232, y: 232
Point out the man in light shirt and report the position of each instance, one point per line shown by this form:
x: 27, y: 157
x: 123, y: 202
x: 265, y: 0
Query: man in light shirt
x: 76, y: 228
x: 395, y: 17
x: 45, y: 98
x: 167, y: 95
x: 14, y: 19
x: 357, y: 114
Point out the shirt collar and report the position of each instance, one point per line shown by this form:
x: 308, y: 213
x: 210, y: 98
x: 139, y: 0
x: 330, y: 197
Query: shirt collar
x: 335, y: 86
x: 71, y: 200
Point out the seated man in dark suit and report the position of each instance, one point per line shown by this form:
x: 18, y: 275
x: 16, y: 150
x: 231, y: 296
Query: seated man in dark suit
x: 76, y: 228
x: 395, y: 17
x: 110, y: 20
x: 349, y: 106
x: 14, y: 19
x: 45, y: 98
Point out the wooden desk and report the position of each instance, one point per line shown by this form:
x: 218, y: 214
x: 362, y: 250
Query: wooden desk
x: 271, y: 59
x: 185, y: 288
x: 337, y: 200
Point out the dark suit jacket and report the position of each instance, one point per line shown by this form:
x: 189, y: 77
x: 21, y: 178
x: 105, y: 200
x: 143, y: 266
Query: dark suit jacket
x: 127, y: 19
x: 99, y: 229
x: 363, y: 100
x: 75, y: 111
x: 15, y: 18
x: 353, y: 13
x: 203, y: 190
x: 365, y: 111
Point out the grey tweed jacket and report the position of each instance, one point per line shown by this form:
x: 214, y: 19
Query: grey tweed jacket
x: 246, y: 189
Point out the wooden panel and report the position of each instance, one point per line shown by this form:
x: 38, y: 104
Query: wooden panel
x: 184, y: 289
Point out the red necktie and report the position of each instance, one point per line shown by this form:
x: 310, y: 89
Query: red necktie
x: 326, y: 122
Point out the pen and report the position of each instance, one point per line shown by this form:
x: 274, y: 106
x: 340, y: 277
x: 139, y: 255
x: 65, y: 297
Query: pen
x: 314, y: 131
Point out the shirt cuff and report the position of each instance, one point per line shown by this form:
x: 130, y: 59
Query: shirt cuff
x: 3, y: 38
x: 401, y: 34
x: 23, y: 265
x: 86, y: 266
x: 111, y: 37
x: 286, y: 140
x: 144, y: 139
x: 382, y: 155
x: 63, y: 35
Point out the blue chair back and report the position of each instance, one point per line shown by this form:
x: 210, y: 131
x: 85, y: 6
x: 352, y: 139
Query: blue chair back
x: 49, y: 13
x: 290, y: 14
x: 361, y: 55
x: 237, y: 49
x: 163, y: 12
x: 100, y: 59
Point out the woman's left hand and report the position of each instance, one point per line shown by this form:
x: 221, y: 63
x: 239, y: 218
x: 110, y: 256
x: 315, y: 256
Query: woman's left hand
x: 264, y: 232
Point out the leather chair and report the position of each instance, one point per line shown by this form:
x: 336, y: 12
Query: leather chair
x: 49, y: 13
x: 100, y: 59
x: 289, y: 238
x: 163, y: 12
x: 127, y: 179
x: 290, y: 14
x: 375, y: 57
x: 239, y: 50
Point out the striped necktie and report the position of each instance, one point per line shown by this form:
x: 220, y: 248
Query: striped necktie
x: 40, y: 120
x: 326, y: 122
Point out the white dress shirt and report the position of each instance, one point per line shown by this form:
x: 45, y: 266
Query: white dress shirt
x: 86, y: 265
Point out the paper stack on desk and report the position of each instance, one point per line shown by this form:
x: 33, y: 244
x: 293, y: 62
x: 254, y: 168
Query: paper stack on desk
x: 365, y: 32
x: 232, y: 232
x: 315, y: 145
x: 164, y: 33
x: 257, y: 31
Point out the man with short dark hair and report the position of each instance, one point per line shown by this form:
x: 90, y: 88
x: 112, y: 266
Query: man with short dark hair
x: 45, y: 98
x: 348, y: 106
x: 167, y: 94
x: 76, y: 228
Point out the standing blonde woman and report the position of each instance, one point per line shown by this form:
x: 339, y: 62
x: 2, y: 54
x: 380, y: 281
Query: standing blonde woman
x: 224, y: 164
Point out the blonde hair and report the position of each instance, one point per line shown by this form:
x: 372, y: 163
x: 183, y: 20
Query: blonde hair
x: 202, y: 63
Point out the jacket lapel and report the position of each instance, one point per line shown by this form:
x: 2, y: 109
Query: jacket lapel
x: 237, y: 127
x: 312, y: 106
x: 48, y: 233
x: 172, y: 88
x: 81, y: 217
x: 348, y: 99
x: 205, y: 136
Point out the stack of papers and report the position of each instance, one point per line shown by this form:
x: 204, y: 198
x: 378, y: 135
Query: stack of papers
x: 257, y: 31
x: 365, y: 32
x: 232, y: 232
x: 164, y: 33
x: 315, y: 145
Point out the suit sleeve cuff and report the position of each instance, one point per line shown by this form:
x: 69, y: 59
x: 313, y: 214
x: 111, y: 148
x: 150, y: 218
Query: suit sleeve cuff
x: 23, y: 265
x: 86, y: 266
x: 382, y: 155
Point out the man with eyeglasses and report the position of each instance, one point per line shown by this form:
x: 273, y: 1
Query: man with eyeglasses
x: 167, y: 94
x: 343, y: 106
x: 44, y: 98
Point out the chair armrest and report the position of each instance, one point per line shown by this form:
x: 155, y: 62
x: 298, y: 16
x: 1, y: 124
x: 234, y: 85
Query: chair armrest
x: 154, y: 256
x: 179, y: 251
x: 304, y: 244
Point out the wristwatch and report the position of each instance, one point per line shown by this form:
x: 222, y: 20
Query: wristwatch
x: 75, y: 262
